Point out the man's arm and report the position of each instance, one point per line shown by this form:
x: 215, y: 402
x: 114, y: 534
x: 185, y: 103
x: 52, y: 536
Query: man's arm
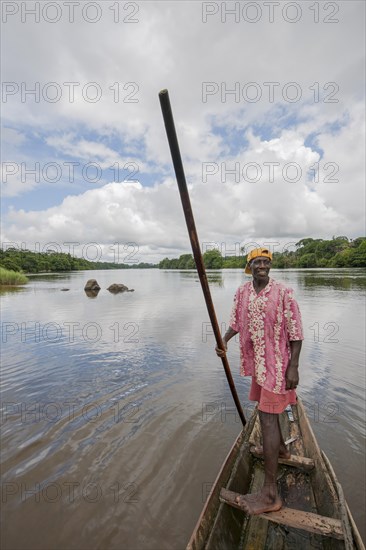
x: 230, y: 333
x: 292, y: 372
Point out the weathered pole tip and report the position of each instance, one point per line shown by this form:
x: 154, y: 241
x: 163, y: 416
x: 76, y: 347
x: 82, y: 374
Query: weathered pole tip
x: 163, y: 92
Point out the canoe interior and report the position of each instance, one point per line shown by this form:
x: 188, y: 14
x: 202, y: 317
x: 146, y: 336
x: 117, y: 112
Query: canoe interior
x: 223, y: 527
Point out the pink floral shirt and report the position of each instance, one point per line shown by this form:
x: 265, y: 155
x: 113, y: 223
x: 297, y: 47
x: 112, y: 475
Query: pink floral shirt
x: 266, y: 323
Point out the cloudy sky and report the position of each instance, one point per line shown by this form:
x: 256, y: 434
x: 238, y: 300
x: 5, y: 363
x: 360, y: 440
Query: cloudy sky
x: 268, y: 100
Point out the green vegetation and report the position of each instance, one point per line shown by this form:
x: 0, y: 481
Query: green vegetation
x: 12, y: 278
x: 185, y: 261
x: 25, y: 261
x: 337, y: 252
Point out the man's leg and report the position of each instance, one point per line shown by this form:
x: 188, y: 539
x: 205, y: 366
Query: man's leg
x: 267, y: 500
x: 284, y: 452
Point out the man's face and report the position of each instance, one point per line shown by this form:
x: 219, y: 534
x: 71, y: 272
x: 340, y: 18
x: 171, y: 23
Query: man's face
x: 260, y: 267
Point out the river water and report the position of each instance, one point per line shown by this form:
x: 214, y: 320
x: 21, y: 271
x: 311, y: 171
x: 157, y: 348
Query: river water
x: 116, y: 414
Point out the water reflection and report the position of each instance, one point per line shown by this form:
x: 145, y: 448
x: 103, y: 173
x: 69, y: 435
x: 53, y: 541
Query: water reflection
x: 92, y: 293
x: 112, y: 391
x: 340, y: 281
x: 6, y: 289
x: 51, y: 276
x: 213, y: 277
x: 337, y: 283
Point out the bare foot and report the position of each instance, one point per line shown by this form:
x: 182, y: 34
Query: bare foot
x: 284, y: 452
x: 259, y: 503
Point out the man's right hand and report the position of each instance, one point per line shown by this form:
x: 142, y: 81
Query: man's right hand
x: 228, y: 334
x: 221, y: 352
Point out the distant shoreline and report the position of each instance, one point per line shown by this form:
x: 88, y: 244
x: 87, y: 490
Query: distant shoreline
x: 309, y: 253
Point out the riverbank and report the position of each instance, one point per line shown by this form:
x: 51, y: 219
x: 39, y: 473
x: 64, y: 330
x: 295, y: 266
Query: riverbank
x: 12, y: 278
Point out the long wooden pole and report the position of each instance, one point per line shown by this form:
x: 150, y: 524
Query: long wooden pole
x: 186, y: 203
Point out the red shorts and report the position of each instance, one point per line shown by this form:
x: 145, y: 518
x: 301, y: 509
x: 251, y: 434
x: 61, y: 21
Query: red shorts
x: 274, y: 403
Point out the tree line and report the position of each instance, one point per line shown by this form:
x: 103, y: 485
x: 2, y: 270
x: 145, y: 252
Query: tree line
x: 26, y: 261
x: 336, y: 252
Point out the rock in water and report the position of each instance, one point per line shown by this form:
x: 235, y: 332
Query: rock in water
x: 115, y: 288
x: 92, y: 285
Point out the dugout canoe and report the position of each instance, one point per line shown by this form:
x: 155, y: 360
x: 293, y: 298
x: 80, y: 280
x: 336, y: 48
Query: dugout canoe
x: 314, y: 515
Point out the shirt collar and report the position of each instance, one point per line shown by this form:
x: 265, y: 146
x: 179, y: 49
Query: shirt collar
x: 265, y: 290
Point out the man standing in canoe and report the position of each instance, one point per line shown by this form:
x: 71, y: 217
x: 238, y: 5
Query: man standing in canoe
x: 268, y: 320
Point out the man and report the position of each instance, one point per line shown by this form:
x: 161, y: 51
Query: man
x: 268, y: 320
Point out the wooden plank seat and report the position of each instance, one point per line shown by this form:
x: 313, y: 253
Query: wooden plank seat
x: 296, y: 519
x: 297, y: 461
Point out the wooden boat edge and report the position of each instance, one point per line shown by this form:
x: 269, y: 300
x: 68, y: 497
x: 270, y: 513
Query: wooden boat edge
x: 355, y: 532
x: 352, y: 525
x: 327, y: 466
x: 201, y: 531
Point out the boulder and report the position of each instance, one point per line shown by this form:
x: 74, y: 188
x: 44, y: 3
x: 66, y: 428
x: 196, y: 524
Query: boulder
x: 92, y: 285
x: 115, y: 288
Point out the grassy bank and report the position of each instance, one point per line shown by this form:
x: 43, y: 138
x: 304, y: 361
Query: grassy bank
x: 12, y: 278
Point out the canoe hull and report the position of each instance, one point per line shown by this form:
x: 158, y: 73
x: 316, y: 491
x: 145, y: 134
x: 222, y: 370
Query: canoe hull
x: 316, y: 492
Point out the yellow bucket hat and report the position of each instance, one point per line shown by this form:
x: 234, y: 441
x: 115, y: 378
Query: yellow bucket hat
x: 256, y: 253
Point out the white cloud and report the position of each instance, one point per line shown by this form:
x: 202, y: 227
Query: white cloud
x: 171, y: 47
x: 86, y: 150
x: 226, y: 210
